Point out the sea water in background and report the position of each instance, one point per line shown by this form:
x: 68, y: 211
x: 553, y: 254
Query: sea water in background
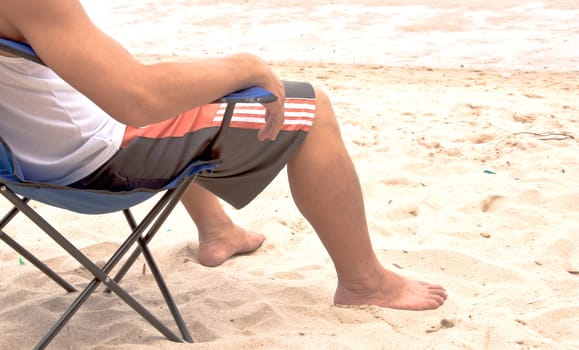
x: 525, y: 35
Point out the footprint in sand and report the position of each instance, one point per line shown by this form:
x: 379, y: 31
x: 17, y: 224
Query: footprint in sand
x: 404, y: 212
x: 400, y: 181
x: 559, y: 323
x: 430, y: 144
x: 475, y: 109
x: 249, y: 318
x: 480, y: 139
x: 494, y: 202
x: 452, y: 263
x: 491, y: 203
x: 524, y: 118
x: 565, y: 252
x: 298, y: 273
x: 289, y: 275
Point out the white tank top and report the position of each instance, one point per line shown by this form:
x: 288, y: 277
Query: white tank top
x: 56, y: 134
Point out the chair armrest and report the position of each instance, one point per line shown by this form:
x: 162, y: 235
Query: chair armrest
x: 249, y: 95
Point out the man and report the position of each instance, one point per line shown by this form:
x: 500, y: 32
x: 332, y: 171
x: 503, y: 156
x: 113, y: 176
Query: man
x: 108, y: 111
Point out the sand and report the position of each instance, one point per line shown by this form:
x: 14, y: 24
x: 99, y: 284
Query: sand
x: 469, y: 169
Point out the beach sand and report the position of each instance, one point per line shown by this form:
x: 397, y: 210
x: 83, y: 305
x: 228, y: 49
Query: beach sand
x: 470, y: 173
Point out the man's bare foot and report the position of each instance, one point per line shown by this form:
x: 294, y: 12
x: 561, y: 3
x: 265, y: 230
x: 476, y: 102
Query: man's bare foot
x: 391, y: 290
x: 218, y: 246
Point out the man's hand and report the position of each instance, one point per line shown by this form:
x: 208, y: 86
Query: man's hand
x: 274, y: 111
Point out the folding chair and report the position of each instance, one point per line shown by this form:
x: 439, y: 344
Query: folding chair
x: 19, y: 191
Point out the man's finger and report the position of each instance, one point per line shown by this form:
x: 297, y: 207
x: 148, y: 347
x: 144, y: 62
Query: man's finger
x: 271, y: 128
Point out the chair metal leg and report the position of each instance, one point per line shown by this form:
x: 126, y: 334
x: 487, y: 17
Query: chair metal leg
x: 11, y: 214
x: 100, y: 274
x: 165, y: 291
x: 36, y: 262
x: 176, y: 196
x: 143, y: 242
x: 121, y: 293
x: 26, y: 254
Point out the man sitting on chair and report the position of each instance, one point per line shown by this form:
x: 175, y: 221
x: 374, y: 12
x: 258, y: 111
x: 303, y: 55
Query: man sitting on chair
x: 98, y: 119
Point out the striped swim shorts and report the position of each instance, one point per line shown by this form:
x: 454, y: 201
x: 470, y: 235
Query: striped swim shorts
x: 153, y: 155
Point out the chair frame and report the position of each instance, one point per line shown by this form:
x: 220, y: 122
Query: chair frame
x: 142, y: 232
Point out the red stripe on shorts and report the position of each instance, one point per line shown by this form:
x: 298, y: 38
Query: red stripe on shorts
x: 193, y: 120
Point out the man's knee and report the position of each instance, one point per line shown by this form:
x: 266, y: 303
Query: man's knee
x: 324, y: 110
x: 322, y: 98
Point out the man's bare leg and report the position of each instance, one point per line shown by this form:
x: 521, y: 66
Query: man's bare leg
x: 330, y: 197
x: 219, y: 237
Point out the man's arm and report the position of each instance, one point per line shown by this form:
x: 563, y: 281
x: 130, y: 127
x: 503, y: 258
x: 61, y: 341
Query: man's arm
x: 136, y: 94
